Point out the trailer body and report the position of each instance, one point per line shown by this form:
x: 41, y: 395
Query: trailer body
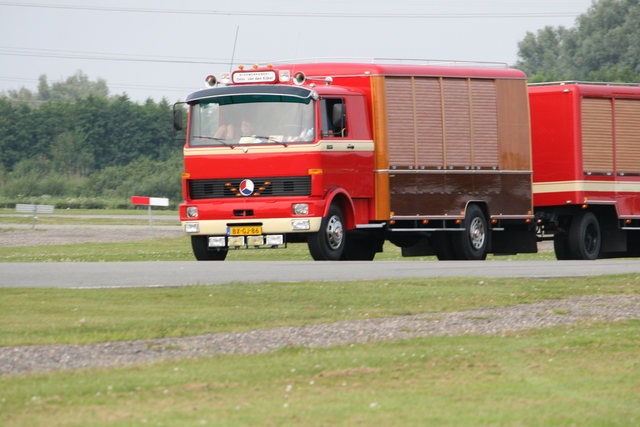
x: 586, y: 162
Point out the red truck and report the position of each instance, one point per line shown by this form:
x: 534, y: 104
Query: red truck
x: 345, y: 156
x: 586, y: 168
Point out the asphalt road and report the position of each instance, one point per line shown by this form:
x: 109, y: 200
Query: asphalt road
x: 183, y: 273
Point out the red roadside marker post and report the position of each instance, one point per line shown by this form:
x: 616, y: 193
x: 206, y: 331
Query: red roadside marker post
x: 150, y: 201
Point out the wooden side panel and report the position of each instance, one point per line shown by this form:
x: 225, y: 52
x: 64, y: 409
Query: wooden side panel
x: 597, y: 135
x: 400, y: 121
x: 429, y: 122
x: 513, y: 125
x: 484, y: 106
x: 440, y: 128
x: 457, y: 117
x: 627, y: 122
x: 448, y: 192
x: 381, y: 203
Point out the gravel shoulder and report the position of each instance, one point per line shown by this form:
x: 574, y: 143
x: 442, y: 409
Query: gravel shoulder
x: 68, y: 235
x: 483, y: 321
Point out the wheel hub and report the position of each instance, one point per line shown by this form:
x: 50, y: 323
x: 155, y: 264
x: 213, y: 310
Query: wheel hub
x: 335, y: 232
x: 477, y: 233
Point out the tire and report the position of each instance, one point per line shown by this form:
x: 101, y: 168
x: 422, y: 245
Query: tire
x: 329, y: 242
x: 561, y: 248
x: 200, y: 246
x: 585, y: 239
x: 473, y: 243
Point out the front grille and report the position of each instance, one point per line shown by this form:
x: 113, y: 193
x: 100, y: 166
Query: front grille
x: 263, y: 187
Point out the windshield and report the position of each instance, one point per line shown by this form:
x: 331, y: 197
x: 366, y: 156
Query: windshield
x: 251, y: 119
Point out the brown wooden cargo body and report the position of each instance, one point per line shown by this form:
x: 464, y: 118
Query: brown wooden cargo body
x: 443, y: 142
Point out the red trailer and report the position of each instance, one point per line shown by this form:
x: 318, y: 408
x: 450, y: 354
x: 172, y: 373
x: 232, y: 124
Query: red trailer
x: 435, y: 159
x: 586, y: 162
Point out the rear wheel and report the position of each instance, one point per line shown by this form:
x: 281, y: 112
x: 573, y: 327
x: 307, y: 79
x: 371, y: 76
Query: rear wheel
x: 584, y: 236
x: 200, y: 246
x: 473, y: 242
x: 329, y: 242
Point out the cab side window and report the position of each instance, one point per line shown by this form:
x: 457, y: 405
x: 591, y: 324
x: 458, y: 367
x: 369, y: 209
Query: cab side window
x: 334, y: 118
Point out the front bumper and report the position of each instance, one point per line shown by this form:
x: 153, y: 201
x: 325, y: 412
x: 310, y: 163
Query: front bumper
x: 269, y: 225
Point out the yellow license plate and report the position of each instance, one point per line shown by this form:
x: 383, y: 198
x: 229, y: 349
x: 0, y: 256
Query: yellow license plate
x: 245, y: 231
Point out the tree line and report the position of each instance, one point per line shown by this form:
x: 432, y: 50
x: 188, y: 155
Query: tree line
x: 71, y: 139
x: 604, y: 46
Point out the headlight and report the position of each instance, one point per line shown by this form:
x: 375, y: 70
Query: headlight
x: 301, y: 209
x: 192, y: 212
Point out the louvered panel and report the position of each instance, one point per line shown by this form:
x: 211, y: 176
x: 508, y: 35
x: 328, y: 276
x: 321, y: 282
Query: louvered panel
x: 627, y: 121
x: 597, y: 135
x: 400, y: 121
x: 429, y: 122
x: 485, y: 123
x: 457, y: 122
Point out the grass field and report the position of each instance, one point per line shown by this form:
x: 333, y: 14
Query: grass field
x: 583, y: 375
x: 586, y: 376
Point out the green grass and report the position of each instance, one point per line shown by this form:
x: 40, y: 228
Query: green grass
x: 63, y: 316
x: 562, y: 376
x: 158, y: 249
x: 179, y: 249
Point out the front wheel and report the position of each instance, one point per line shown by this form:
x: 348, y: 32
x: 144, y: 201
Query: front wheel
x: 200, y: 246
x: 328, y: 243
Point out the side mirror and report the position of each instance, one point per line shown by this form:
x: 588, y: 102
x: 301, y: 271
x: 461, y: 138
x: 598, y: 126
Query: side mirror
x: 339, y: 116
x: 177, y: 118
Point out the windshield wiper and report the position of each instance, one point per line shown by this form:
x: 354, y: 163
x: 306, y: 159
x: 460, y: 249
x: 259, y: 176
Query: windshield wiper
x: 269, y: 140
x: 224, y: 141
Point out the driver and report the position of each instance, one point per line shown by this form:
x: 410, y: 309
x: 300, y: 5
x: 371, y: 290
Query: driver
x: 229, y: 131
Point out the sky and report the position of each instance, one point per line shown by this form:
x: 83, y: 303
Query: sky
x: 164, y: 49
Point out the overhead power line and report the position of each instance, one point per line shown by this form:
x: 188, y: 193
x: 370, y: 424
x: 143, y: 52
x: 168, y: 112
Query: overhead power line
x: 45, y: 53
x: 300, y: 14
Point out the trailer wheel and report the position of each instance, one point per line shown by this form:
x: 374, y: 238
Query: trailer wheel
x: 584, y: 236
x: 473, y: 242
x: 328, y: 243
x: 200, y: 246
